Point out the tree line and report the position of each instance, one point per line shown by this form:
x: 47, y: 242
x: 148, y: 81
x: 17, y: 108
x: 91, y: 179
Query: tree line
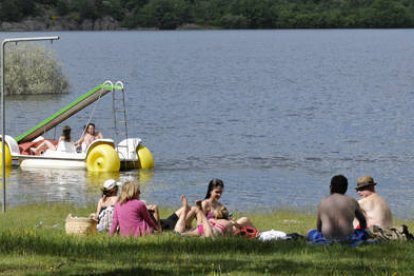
x: 231, y: 14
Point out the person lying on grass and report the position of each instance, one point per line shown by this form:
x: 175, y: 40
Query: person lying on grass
x: 131, y: 214
x: 209, y: 205
x: 219, y: 224
x: 336, y: 214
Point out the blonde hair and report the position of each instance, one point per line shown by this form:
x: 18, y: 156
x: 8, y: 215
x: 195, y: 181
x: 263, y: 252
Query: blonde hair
x: 221, y: 213
x: 130, y: 190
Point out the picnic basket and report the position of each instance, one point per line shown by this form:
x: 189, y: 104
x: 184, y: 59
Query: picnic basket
x: 80, y: 225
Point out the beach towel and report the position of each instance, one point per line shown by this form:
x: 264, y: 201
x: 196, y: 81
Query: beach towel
x: 358, y: 237
x: 272, y: 235
x: 247, y: 232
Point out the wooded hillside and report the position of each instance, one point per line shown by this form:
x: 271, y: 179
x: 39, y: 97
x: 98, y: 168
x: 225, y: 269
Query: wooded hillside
x: 234, y: 14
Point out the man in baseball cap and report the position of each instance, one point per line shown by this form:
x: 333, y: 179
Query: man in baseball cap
x: 375, y: 208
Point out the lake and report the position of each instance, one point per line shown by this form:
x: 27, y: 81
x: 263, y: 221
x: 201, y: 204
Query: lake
x: 275, y: 114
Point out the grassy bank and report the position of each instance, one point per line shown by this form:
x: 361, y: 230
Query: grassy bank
x: 33, y: 241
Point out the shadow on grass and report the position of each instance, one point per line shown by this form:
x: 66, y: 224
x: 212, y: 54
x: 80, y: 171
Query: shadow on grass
x: 136, y: 271
x: 171, y: 254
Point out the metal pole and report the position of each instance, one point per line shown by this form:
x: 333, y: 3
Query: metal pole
x: 3, y: 110
x: 3, y: 126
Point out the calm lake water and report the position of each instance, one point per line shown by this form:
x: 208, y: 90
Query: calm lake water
x: 275, y: 114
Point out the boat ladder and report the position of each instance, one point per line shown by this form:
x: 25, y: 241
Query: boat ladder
x: 120, y: 118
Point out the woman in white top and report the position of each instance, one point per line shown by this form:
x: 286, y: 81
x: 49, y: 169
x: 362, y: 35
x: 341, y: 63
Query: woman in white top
x: 65, y: 144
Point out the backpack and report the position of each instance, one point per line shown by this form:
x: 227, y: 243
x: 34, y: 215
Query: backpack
x: 247, y: 232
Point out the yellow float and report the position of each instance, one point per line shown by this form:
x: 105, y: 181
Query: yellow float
x: 102, y: 158
x: 145, y: 158
x: 8, y: 157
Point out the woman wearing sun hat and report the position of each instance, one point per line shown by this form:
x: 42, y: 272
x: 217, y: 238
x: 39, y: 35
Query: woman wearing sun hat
x: 105, y: 209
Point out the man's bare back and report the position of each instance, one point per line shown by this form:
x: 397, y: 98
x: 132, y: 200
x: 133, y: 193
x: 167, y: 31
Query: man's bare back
x: 336, y: 214
x: 376, y: 210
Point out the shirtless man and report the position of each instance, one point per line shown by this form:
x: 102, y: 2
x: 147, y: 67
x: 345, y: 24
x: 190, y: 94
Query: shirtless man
x: 375, y: 208
x: 336, y: 214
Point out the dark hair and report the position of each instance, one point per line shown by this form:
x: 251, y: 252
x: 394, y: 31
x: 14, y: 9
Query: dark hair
x: 214, y: 183
x: 339, y: 184
x: 66, y: 133
x: 90, y: 124
x: 111, y: 192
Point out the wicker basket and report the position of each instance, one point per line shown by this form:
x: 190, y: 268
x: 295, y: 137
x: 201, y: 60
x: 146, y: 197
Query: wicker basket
x: 80, y: 226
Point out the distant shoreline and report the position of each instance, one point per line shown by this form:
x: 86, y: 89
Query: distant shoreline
x: 110, y: 24
x: 41, y: 24
x: 67, y: 15
x: 103, y: 24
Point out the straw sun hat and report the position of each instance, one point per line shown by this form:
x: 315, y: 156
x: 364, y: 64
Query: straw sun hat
x: 365, y: 181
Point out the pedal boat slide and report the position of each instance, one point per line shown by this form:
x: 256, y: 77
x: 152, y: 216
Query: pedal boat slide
x: 102, y: 155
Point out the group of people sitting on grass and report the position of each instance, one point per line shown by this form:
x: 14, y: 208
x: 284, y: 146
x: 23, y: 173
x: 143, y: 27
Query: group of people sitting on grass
x: 131, y: 216
x: 342, y: 218
x: 339, y: 217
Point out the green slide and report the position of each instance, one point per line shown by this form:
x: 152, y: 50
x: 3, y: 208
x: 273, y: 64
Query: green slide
x: 66, y: 112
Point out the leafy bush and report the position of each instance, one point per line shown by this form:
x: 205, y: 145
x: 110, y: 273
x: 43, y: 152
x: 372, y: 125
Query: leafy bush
x: 230, y: 21
x: 33, y: 70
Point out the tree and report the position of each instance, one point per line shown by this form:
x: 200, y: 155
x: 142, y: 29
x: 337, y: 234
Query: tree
x: 10, y: 11
x: 164, y: 14
x: 33, y: 70
x: 384, y: 13
x: 62, y: 7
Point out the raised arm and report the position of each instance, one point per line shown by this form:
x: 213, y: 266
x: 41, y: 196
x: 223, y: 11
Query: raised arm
x: 146, y: 216
x: 79, y: 142
x: 319, y: 223
x: 99, y: 207
x: 359, y: 214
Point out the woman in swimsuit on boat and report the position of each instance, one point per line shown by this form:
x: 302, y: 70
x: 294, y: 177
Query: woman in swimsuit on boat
x: 89, y: 135
x: 65, y: 144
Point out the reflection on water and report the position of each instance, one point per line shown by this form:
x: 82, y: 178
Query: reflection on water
x: 8, y: 171
x: 39, y: 185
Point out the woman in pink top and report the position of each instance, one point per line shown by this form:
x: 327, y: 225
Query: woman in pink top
x: 131, y: 214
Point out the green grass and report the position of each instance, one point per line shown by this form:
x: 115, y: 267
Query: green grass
x: 33, y: 242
